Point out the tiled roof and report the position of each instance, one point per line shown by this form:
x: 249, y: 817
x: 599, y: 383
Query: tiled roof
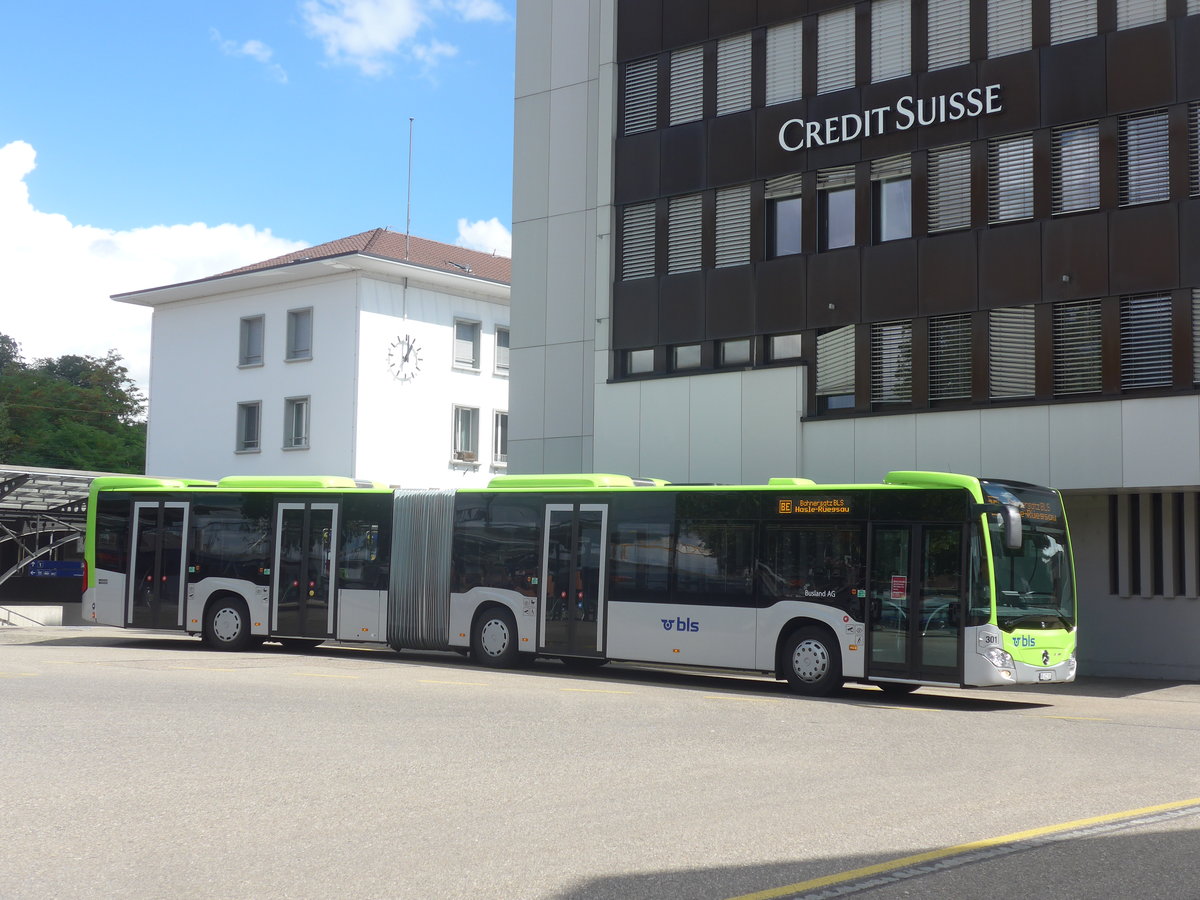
x: 403, y: 248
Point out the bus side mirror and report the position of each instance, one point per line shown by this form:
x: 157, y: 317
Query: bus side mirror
x: 1010, y: 517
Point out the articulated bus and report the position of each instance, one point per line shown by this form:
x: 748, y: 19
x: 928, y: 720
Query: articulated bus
x: 925, y: 579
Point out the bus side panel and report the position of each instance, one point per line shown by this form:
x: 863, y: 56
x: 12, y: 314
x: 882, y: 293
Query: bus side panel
x: 104, y: 602
x: 257, y: 599
x: 851, y: 635
x: 361, y: 615
x: 695, y: 635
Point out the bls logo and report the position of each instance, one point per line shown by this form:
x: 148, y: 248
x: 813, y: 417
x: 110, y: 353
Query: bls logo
x: 1024, y: 640
x: 680, y: 625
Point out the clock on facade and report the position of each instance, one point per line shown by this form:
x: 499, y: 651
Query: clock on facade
x: 404, y: 358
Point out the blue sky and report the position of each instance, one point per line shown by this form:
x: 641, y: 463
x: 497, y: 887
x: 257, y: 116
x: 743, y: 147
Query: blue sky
x: 144, y: 143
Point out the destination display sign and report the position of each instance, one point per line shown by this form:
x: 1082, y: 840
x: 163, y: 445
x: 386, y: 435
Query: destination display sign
x: 815, y: 506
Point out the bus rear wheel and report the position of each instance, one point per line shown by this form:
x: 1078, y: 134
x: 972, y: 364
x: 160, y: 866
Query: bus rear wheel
x: 494, y: 639
x: 812, y: 662
x: 227, y: 624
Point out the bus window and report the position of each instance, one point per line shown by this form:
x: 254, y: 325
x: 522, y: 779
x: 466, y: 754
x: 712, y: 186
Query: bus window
x: 714, y: 562
x: 821, y: 564
x: 641, y: 561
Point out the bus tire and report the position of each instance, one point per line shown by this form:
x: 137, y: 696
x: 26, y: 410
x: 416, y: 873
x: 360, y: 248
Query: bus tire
x: 812, y: 662
x: 227, y: 624
x: 494, y: 638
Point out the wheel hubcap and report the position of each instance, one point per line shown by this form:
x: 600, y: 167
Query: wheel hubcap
x: 494, y: 637
x: 810, y: 661
x: 227, y: 623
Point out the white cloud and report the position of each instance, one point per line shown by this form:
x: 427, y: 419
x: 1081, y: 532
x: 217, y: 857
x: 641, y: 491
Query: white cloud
x: 58, y: 276
x: 486, y: 236
x: 479, y: 10
x: 252, y: 49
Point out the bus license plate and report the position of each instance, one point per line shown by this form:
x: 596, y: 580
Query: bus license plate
x: 1045, y: 676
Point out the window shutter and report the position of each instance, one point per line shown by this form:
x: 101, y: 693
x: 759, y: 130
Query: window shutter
x: 950, y: 357
x: 733, y: 227
x: 784, y: 63
x: 1075, y: 168
x: 891, y: 362
x: 835, y: 362
x: 733, y: 74
x: 683, y: 234
x: 687, y: 85
x: 1009, y: 27
x: 1011, y: 350
x: 1077, y: 347
x: 1193, y: 7
x: 1143, y: 159
x: 1132, y: 13
x: 637, y: 241
x: 1196, y: 331
x: 1010, y: 178
x: 949, y: 188
x: 1071, y: 20
x: 641, y: 95
x: 1194, y: 146
x: 891, y: 39
x: 1145, y: 342
x: 949, y: 33
x: 832, y: 179
x: 784, y: 186
x: 891, y: 167
x: 835, y: 50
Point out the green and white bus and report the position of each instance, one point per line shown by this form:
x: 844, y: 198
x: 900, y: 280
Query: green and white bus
x: 928, y: 578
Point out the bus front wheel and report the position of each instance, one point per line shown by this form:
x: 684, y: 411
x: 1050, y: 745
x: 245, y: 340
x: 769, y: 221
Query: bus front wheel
x: 812, y: 662
x: 494, y: 639
x: 227, y: 624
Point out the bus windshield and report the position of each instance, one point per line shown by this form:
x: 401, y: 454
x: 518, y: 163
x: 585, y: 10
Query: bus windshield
x: 1035, y: 587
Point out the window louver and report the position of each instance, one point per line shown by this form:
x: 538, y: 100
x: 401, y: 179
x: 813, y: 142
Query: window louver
x: 835, y: 50
x: 637, y: 241
x: 733, y: 74
x: 1132, y: 13
x: 831, y: 179
x: 1071, y: 20
x: 835, y: 362
x: 891, y: 39
x: 1009, y: 27
x: 1077, y: 347
x: 784, y: 63
x: 1194, y: 145
x: 950, y: 357
x: 1010, y: 178
x: 733, y: 227
x: 1196, y: 329
x: 1011, y: 351
x: 1075, y: 168
x: 683, y: 234
x: 891, y: 362
x: 949, y: 33
x: 641, y: 95
x: 1193, y: 7
x: 891, y: 167
x: 1145, y: 342
x: 1143, y: 158
x: 949, y: 188
x: 784, y: 186
x: 687, y: 85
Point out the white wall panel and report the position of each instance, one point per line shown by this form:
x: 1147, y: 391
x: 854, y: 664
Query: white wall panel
x: 665, y: 427
x: 534, y: 30
x: 563, y: 455
x: 949, y: 442
x: 531, y: 183
x: 882, y: 445
x: 529, y: 284
x: 826, y: 451
x: 1084, y: 449
x: 618, y: 428
x: 770, y: 407
x: 564, y: 311
x: 1014, y: 443
x: 569, y: 150
x: 1161, y: 440
x: 573, y: 38
x: 565, y: 367
x: 715, y: 429
x: 528, y: 395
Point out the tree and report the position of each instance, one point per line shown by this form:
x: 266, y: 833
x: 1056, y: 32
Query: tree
x: 72, y: 412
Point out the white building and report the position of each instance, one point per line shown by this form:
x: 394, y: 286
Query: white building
x: 380, y: 356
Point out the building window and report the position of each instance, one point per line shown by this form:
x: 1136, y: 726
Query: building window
x: 1010, y: 178
x: 687, y: 85
x: 835, y: 207
x: 949, y: 23
x: 639, y: 362
x: 683, y: 234
x: 783, y: 346
x: 784, y: 63
x: 782, y: 196
x: 835, y: 369
x: 733, y: 227
x: 1132, y: 13
x: 500, y: 438
x: 1071, y: 20
x: 466, y: 434
x: 733, y: 74
x: 734, y: 353
x: 835, y: 50
x: 249, y: 418
x: 891, y: 39
x: 950, y: 357
x: 1145, y: 342
x: 250, y: 341
x: 637, y: 241
x: 685, y: 356
x: 1077, y: 347
x: 502, y: 350
x: 891, y: 197
x: 641, y: 95
x: 1011, y: 352
x: 1143, y: 158
x: 1009, y: 27
x: 295, y: 423
x: 1075, y: 168
x: 949, y: 188
x: 299, y: 334
x: 891, y: 362
x: 466, y: 344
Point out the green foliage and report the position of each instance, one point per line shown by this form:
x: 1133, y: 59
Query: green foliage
x: 73, y: 412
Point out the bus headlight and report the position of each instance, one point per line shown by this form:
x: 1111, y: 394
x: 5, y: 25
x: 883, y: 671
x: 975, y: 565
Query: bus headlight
x: 999, y: 658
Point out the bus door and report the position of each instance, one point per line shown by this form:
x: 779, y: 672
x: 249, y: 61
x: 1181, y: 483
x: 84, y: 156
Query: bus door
x: 915, y: 607
x: 158, y: 566
x: 303, y: 583
x: 573, y: 598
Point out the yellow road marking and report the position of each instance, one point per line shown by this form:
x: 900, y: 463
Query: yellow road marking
x: 201, y: 669
x: 320, y: 675
x: 18, y: 674
x: 592, y: 691
x: 1075, y: 718
x: 958, y: 849
x: 466, y: 683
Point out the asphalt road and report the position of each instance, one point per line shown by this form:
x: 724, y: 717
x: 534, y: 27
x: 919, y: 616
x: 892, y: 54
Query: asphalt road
x: 139, y: 765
